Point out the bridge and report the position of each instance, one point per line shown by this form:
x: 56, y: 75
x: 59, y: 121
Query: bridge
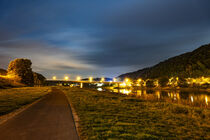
x: 78, y: 83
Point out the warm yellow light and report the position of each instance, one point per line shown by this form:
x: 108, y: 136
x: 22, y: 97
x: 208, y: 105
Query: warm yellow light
x: 66, y: 78
x: 139, y: 80
x: 102, y: 79
x: 191, y: 98
x: 206, y: 99
x: 123, y: 84
x: 126, y: 80
x: 54, y: 78
x: 91, y: 79
x: 78, y: 78
x: 81, y: 85
x: 8, y: 76
x: 114, y: 80
x: 125, y: 91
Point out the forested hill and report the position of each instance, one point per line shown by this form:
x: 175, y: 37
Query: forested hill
x: 191, y: 64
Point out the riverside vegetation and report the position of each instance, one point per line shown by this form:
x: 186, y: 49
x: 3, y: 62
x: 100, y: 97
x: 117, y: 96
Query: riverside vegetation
x: 104, y: 115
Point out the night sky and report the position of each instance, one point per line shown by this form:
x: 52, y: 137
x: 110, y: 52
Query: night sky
x: 100, y: 37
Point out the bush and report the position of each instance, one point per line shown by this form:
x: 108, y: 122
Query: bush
x: 163, y: 81
x: 150, y: 83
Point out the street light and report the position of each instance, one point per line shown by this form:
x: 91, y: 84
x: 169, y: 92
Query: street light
x: 66, y: 78
x: 91, y: 79
x: 78, y: 78
x: 114, y: 80
x: 102, y: 79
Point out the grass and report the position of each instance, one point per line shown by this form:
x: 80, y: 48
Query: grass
x: 14, y: 98
x: 8, y: 83
x: 104, y: 115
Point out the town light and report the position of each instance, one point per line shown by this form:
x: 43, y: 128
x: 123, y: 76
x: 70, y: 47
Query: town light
x: 78, y: 78
x: 66, y: 78
x: 126, y: 80
x: 91, y: 79
x: 54, y: 78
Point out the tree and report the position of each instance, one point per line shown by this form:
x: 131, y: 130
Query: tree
x: 163, y: 81
x: 21, y: 68
x: 38, y: 79
x: 150, y: 83
x: 182, y: 82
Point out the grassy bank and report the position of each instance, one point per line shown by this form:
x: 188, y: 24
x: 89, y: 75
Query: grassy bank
x: 104, y: 115
x: 14, y: 98
x: 8, y: 83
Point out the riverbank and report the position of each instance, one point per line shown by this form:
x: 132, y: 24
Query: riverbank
x: 171, y: 88
x: 104, y: 115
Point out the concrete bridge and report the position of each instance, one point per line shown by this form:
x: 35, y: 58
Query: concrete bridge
x: 78, y: 83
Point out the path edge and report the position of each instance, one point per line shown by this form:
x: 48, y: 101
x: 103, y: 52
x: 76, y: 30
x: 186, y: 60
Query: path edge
x: 6, y: 117
x: 74, y: 114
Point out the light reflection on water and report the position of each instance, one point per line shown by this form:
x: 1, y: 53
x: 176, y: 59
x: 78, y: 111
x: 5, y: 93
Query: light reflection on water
x: 192, y: 98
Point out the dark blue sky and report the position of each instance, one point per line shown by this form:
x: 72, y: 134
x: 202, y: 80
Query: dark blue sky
x: 100, y: 37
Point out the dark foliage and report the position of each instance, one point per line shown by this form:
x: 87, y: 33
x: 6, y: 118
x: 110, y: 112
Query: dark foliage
x: 3, y: 72
x: 150, y: 83
x: 192, y: 64
x: 38, y: 79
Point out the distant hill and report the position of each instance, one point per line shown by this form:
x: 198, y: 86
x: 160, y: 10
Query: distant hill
x: 191, y: 64
x: 3, y: 72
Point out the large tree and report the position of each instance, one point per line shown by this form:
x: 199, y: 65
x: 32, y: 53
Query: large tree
x: 21, y: 68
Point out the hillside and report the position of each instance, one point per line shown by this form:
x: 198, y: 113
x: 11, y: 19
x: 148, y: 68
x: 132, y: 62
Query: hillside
x: 191, y: 64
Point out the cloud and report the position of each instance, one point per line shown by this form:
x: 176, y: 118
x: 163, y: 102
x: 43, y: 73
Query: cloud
x: 43, y: 56
x: 100, y: 37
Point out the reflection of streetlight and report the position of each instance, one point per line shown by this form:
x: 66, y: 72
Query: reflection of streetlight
x: 91, y: 79
x: 78, y: 78
x: 191, y: 98
x: 54, y: 78
x: 66, y: 78
x: 206, y: 99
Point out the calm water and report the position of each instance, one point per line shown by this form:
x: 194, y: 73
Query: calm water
x: 192, y: 98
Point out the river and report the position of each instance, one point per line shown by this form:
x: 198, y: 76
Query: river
x: 192, y: 98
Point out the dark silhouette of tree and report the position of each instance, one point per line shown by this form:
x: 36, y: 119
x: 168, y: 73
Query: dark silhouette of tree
x: 150, y: 83
x: 38, y: 79
x: 3, y: 72
x: 163, y: 81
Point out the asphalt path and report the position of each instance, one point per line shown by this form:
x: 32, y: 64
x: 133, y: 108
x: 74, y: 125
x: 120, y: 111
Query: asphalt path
x: 49, y: 119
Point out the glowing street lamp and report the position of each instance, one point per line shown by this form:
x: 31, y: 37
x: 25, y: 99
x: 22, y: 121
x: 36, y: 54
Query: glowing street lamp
x: 91, y: 79
x: 66, y: 78
x: 114, y: 80
x: 78, y: 78
x: 54, y: 78
x: 102, y: 79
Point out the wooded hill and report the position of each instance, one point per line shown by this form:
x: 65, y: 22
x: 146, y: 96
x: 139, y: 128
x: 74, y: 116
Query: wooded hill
x: 191, y: 64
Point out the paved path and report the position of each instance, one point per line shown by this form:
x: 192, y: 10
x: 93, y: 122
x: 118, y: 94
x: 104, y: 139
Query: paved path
x: 49, y: 119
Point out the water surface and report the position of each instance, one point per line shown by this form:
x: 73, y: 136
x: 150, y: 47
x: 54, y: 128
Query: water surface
x: 192, y: 98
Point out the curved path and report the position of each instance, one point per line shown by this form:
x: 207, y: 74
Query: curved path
x: 49, y: 119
